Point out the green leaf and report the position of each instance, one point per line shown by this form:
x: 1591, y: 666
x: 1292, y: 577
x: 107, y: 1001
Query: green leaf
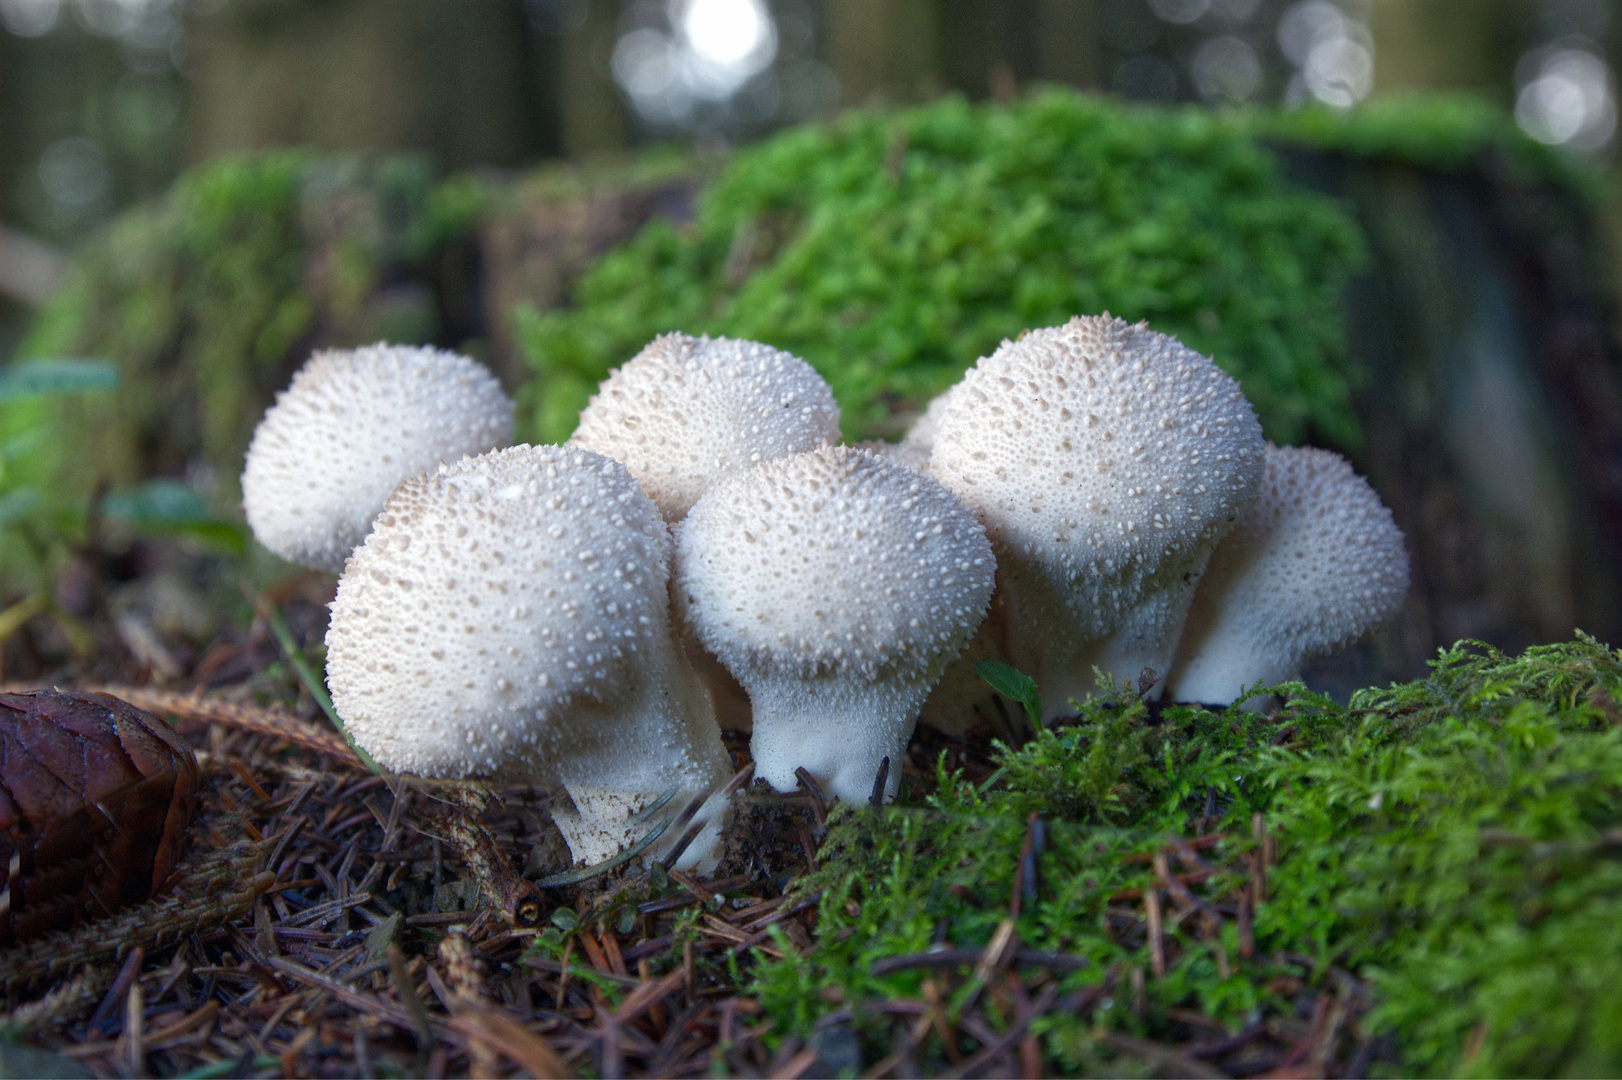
x: 1013, y: 684
x: 40, y: 378
x: 171, y: 507
x: 381, y: 936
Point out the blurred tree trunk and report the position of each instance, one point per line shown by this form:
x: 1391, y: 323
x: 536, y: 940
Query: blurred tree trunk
x: 1493, y: 407
x: 1451, y: 44
x: 883, y: 50
x: 593, y: 114
x: 915, y: 50
x: 458, y: 81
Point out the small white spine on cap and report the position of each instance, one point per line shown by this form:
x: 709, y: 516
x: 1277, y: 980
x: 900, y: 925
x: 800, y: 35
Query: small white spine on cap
x: 835, y: 586
x: 1313, y: 565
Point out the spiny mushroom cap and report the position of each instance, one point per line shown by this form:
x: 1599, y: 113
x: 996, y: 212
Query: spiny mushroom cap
x: 1096, y: 453
x: 899, y: 452
x: 685, y: 411
x: 833, y: 563
x: 920, y: 438
x: 1316, y: 562
x: 491, y: 598
x: 352, y: 425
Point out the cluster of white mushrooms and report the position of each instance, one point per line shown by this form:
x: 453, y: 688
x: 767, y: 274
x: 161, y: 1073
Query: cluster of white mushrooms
x: 584, y: 615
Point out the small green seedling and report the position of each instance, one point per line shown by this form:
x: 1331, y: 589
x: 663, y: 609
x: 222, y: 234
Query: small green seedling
x: 1014, y: 685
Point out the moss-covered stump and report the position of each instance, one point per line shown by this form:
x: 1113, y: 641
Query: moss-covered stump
x: 1426, y: 881
x: 1414, y: 283
x: 891, y: 250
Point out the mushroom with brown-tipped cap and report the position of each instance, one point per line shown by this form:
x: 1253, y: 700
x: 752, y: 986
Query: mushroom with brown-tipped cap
x: 1315, y: 563
x: 508, y: 617
x: 686, y: 411
x: 1106, y: 462
x: 835, y: 586
x: 352, y: 425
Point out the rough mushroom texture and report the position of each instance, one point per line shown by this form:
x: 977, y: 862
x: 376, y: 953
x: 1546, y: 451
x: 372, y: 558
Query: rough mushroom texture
x: 919, y: 441
x: 686, y: 411
x: 836, y: 586
x: 1314, y: 564
x: 898, y: 452
x: 1106, y: 462
x: 508, y: 617
x: 352, y: 425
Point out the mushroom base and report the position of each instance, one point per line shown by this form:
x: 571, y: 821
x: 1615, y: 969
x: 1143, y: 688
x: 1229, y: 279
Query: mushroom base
x: 838, y: 732
x: 664, y: 743
x: 1215, y: 668
x: 1046, y: 638
x: 605, y: 822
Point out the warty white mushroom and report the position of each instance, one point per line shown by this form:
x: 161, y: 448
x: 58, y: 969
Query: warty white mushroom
x: 919, y: 442
x: 686, y: 411
x: 1314, y: 564
x: 352, y: 425
x: 835, y: 586
x: 1106, y: 461
x: 508, y: 617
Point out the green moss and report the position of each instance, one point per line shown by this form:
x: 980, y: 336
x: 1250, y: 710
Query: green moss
x: 1455, y: 841
x: 208, y: 298
x: 1445, y: 132
x: 893, y: 249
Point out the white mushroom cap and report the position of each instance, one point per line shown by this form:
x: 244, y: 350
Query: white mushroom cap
x: 836, y: 586
x: 1312, y: 566
x: 898, y: 452
x: 1106, y: 461
x: 508, y: 617
x: 914, y: 449
x: 920, y: 438
x: 352, y: 425
x: 685, y: 411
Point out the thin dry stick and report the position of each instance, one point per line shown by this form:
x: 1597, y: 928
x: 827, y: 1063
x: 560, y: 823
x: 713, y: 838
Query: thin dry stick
x: 199, y: 708
x: 1157, y: 933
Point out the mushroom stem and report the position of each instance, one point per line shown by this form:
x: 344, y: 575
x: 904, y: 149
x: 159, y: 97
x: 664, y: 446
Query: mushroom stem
x: 1313, y: 565
x: 1225, y: 666
x: 664, y: 741
x: 1147, y: 640
x: 840, y: 733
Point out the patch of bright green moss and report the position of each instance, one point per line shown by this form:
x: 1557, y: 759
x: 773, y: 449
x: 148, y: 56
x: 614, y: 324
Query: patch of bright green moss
x: 1456, y: 841
x: 891, y: 250
x: 208, y: 298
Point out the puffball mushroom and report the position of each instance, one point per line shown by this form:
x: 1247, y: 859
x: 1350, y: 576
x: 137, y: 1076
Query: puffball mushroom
x: 1314, y: 564
x: 352, y: 425
x: 836, y: 586
x: 508, y: 617
x: 685, y: 411
x: 1106, y: 462
x: 915, y: 447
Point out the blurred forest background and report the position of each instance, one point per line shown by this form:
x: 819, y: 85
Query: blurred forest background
x: 103, y: 102
x: 461, y: 168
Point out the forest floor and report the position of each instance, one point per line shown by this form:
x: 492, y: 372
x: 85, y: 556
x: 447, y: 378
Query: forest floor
x: 1138, y: 890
